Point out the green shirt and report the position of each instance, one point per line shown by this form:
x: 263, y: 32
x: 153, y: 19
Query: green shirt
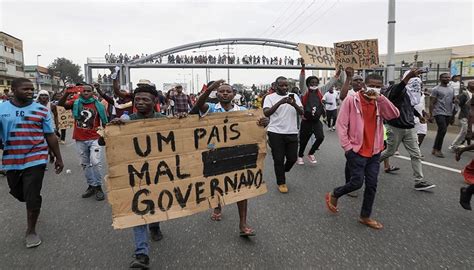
x: 137, y: 116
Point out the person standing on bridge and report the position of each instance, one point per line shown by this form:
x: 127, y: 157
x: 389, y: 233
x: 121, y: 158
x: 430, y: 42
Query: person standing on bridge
x: 405, y: 96
x: 89, y: 114
x: 360, y: 131
x: 26, y: 130
x: 312, y: 96
x: 283, y: 110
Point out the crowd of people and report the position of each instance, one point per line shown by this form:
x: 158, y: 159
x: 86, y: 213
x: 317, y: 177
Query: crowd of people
x: 371, y: 120
x: 205, y: 59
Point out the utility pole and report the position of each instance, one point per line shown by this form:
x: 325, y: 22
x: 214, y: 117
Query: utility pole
x: 391, y: 41
x: 228, y: 53
x: 109, y: 49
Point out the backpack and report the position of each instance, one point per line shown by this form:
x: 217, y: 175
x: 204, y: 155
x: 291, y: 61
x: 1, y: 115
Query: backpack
x: 313, y: 106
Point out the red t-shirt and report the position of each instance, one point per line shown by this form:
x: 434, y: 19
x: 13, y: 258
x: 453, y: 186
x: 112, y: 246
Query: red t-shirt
x: 369, y: 113
x: 85, y: 129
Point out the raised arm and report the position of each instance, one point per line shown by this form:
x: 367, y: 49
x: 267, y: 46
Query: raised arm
x: 103, y: 95
x: 339, y: 76
x: 201, y: 102
x: 116, y: 87
x: 302, y: 81
x: 398, y: 91
x: 62, y: 100
x: 347, y: 83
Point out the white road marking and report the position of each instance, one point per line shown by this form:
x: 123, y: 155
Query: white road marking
x: 432, y: 165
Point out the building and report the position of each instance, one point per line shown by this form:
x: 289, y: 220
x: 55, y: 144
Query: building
x: 11, y: 60
x: 439, y: 60
x: 42, y: 79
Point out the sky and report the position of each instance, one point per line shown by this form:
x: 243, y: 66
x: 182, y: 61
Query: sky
x: 81, y: 29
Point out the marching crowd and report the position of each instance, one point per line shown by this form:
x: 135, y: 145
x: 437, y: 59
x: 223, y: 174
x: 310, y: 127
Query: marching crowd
x: 371, y: 120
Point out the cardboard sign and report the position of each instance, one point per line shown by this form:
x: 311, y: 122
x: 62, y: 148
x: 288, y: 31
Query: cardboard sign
x: 162, y: 169
x: 65, y: 118
x: 317, y: 55
x: 358, y: 54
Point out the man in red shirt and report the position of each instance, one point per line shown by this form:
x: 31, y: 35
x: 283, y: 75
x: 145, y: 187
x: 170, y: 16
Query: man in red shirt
x: 89, y: 114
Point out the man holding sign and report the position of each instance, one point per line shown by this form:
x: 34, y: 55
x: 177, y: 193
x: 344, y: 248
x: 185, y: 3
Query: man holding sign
x: 225, y: 95
x: 145, y: 98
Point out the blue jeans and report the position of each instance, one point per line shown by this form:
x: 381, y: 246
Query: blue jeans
x: 91, y: 161
x: 361, y: 169
x: 141, y: 238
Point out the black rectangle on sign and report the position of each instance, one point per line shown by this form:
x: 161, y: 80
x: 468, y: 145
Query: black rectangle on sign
x: 229, y: 159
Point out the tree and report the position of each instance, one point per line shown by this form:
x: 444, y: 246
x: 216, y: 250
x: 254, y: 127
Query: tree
x: 66, y: 70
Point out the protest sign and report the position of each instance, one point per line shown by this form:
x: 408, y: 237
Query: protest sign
x: 358, y: 54
x: 65, y: 118
x: 160, y: 169
x: 317, y: 55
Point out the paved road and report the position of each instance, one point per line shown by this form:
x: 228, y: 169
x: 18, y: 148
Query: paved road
x: 425, y: 230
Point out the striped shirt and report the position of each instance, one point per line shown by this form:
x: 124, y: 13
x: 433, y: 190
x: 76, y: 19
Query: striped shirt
x: 22, y: 130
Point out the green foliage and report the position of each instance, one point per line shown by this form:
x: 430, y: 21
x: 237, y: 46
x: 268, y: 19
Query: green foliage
x: 66, y: 70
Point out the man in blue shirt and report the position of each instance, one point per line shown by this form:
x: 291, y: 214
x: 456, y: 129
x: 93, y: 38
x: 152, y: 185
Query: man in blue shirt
x: 26, y: 131
x: 225, y: 95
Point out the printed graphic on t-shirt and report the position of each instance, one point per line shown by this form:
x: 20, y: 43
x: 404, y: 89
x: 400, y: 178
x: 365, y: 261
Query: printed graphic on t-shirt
x: 87, y: 118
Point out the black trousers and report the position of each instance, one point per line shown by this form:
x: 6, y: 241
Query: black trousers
x: 61, y: 134
x: 283, y: 146
x: 442, y: 121
x: 331, y: 117
x: 25, y: 185
x: 308, y: 128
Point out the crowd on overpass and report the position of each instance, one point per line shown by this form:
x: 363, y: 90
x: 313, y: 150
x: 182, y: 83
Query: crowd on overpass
x: 205, y: 59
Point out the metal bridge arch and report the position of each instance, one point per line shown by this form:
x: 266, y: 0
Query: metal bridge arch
x: 219, y: 42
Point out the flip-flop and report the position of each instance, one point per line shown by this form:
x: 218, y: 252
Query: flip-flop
x: 330, y: 206
x: 247, y: 232
x: 216, y: 216
x: 391, y: 169
x: 371, y: 224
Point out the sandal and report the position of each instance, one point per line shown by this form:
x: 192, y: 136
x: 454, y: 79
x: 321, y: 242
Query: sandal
x: 391, y: 169
x: 371, y: 223
x: 331, y: 207
x: 216, y: 216
x: 247, y: 232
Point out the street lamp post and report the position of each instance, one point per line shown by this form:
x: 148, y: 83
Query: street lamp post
x: 38, y: 86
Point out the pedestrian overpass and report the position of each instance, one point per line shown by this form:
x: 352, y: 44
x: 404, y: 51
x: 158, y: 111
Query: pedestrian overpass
x: 144, y: 62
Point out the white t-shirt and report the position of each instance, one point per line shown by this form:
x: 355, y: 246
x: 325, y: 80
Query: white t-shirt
x: 284, y: 119
x: 330, y: 98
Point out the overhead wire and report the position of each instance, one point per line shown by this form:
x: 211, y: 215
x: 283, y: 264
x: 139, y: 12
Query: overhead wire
x: 317, y: 19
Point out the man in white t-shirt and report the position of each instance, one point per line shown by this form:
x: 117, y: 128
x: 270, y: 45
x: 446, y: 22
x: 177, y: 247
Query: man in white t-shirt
x: 330, y: 100
x: 282, y: 109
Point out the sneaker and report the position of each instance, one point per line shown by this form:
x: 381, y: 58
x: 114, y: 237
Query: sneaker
x: 99, y: 194
x: 438, y: 154
x: 452, y: 148
x: 312, y: 159
x: 155, y: 234
x: 397, y: 153
x: 300, y: 161
x: 141, y: 261
x: 89, y: 192
x: 283, y: 188
x: 62, y: 142
x: 423, y: 186
x: 32, y: 240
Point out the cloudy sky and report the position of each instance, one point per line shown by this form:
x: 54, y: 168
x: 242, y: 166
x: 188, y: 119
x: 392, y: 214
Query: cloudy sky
x: 80, y: 29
